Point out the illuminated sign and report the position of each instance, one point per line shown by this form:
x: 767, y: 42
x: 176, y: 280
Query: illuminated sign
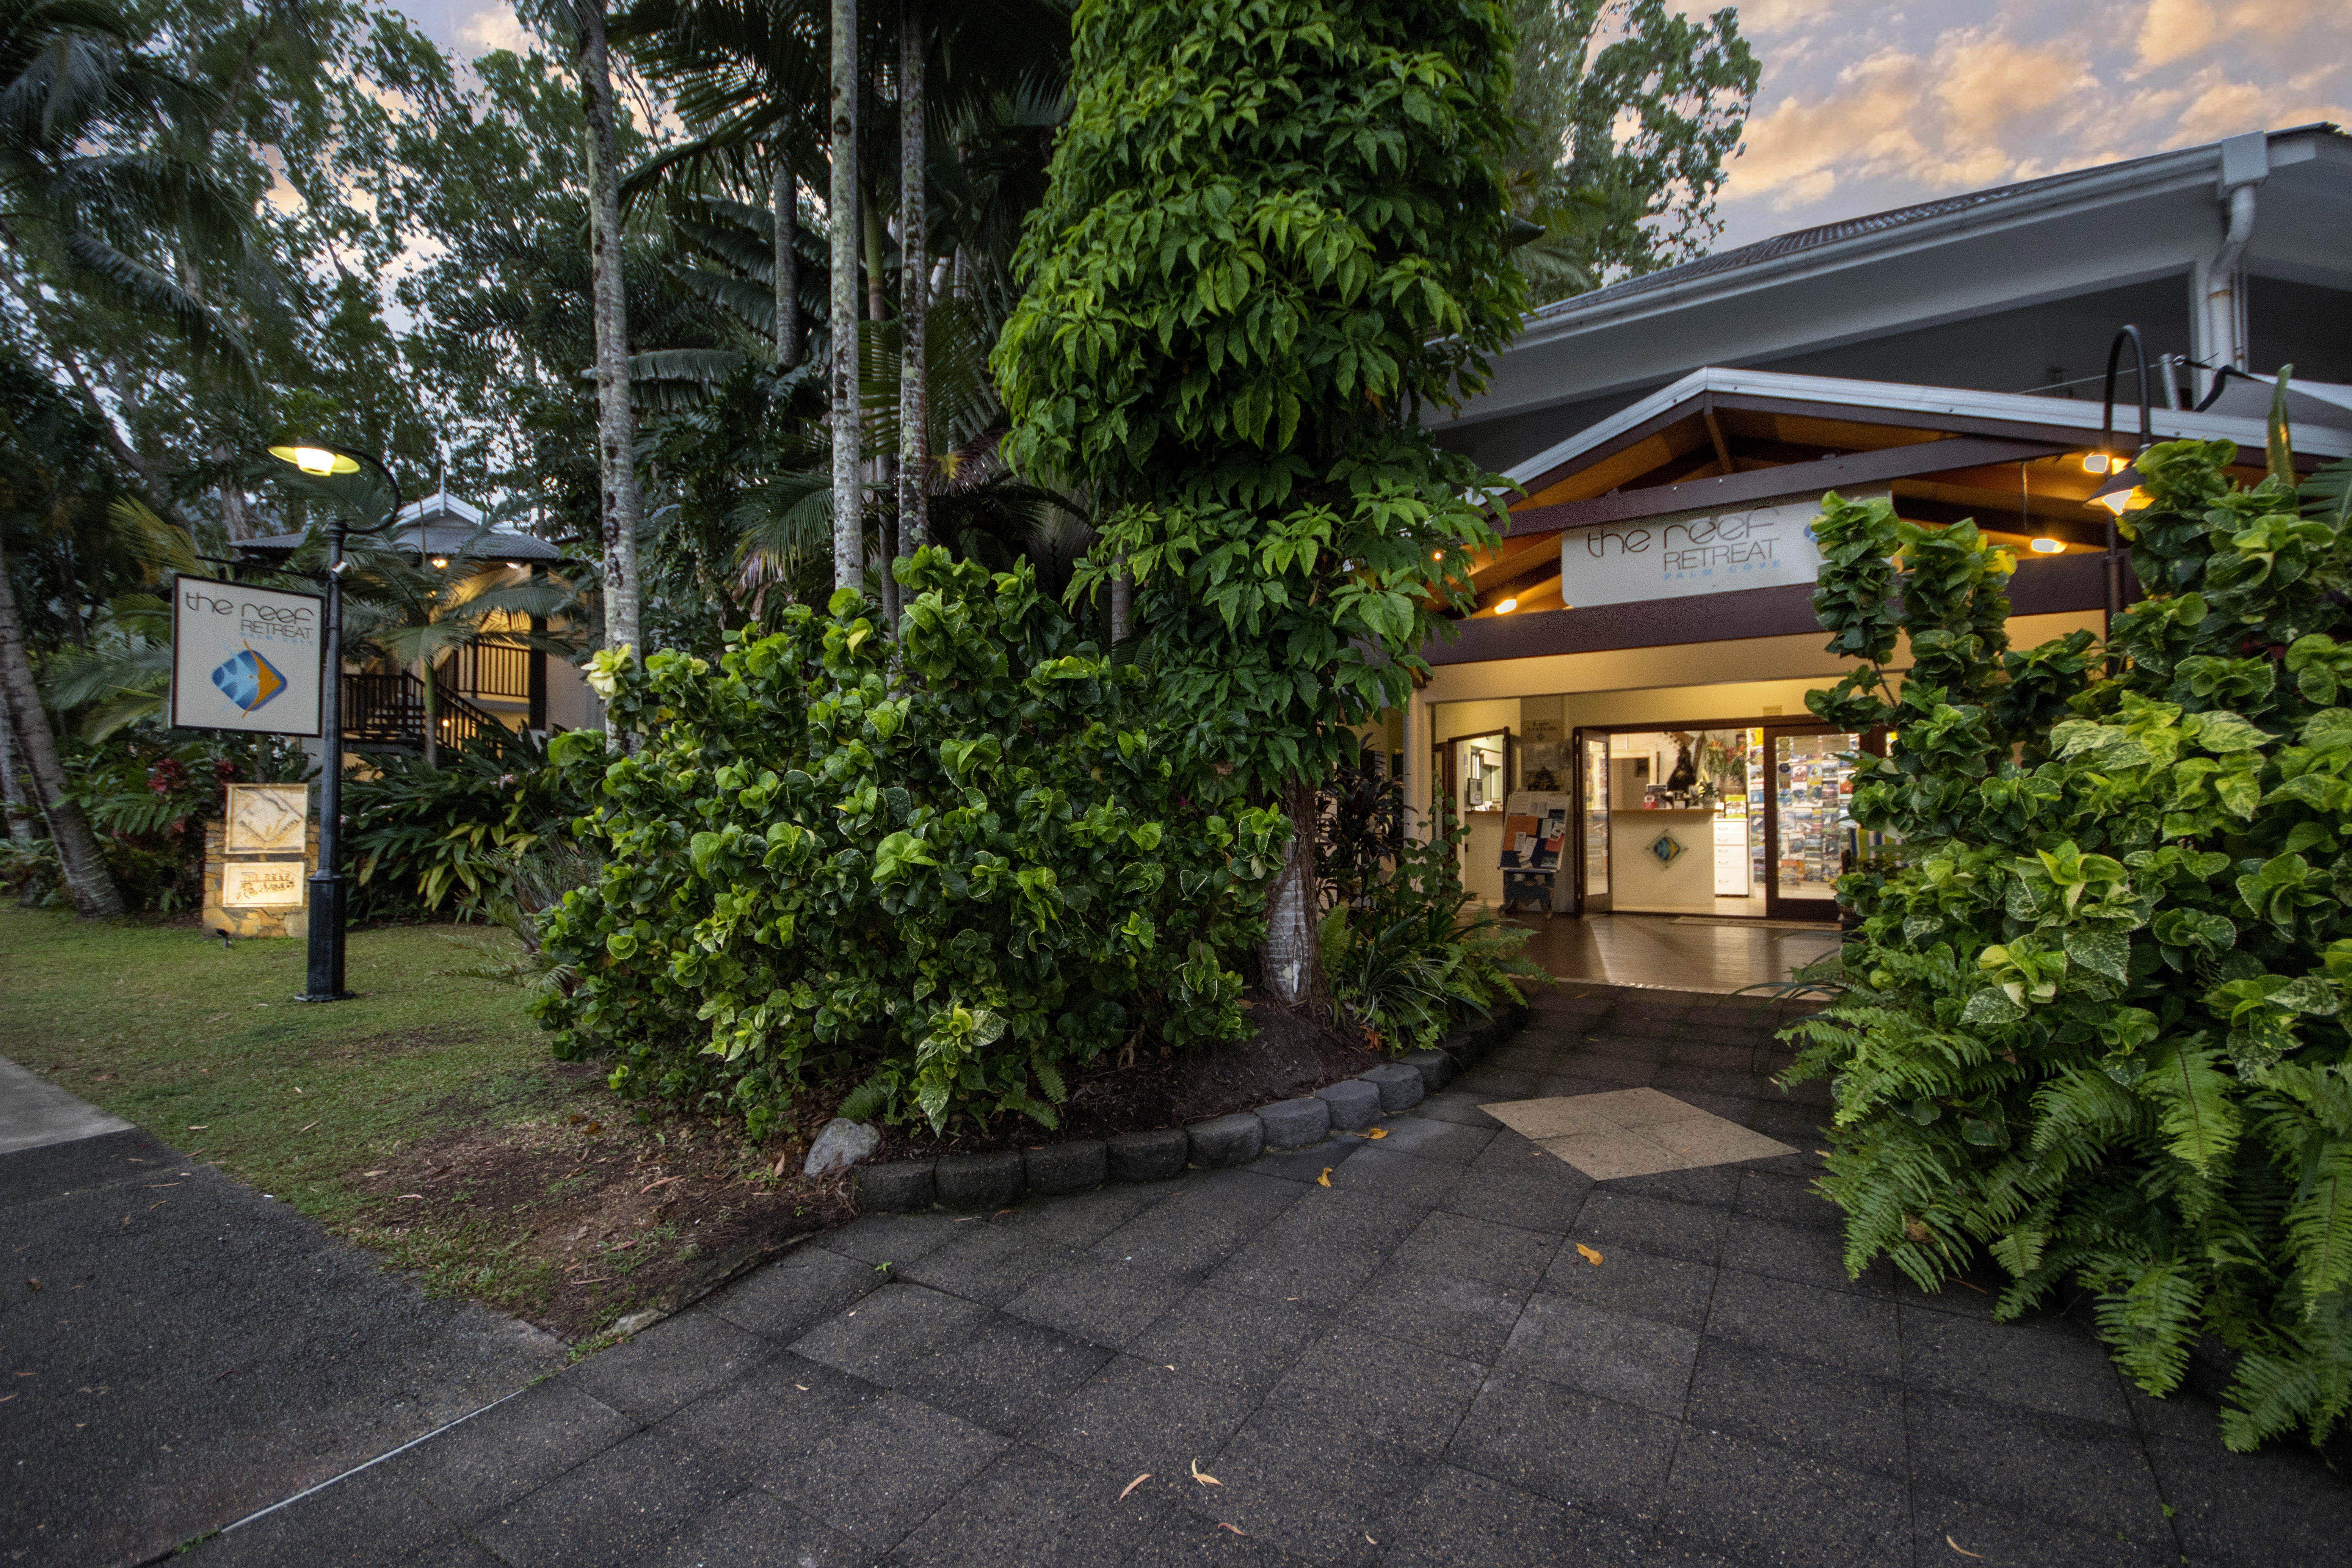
x: 244, y: 659
x: 1685, y: 553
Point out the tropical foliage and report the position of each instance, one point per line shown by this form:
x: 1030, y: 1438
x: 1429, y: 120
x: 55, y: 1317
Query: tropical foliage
x: 2093, y: 1026
x: 939, y: 868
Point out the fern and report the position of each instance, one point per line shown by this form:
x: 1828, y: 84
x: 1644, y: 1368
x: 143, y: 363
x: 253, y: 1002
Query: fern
x: 2149, y: 1319
x: 2192, y: 1097
x: 2319, y: 1227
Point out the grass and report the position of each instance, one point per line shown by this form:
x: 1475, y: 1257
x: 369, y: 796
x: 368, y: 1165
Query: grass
x: 425, y: 1118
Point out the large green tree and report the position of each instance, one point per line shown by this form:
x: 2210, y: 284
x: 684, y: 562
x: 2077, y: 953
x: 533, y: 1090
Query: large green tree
x: 1277, y: 231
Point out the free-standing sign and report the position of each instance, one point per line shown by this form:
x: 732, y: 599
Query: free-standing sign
x: 1684, y: 554
x: 245, y: 659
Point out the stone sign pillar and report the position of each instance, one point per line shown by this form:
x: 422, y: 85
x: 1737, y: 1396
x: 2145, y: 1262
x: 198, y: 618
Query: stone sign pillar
x: 258, y: 861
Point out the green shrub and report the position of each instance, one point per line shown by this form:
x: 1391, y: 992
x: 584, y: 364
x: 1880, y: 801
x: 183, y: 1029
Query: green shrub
x: 2093, y: 1021
x: 941, y: 867
x: 427, y: 839
x: 148, y: 797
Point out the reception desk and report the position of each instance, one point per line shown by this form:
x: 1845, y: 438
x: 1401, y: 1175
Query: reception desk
x: 1640, y: 880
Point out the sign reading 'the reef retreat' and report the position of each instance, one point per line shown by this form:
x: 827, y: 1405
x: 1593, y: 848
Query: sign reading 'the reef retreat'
x: 1687, y: 554
x: 245, y: 659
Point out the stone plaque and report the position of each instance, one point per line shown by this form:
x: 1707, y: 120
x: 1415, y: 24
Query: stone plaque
x: 267, y: 816
x: 262, y: 884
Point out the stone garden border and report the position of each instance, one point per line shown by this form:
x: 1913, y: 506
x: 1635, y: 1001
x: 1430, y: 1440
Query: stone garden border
x: 996, y: 1181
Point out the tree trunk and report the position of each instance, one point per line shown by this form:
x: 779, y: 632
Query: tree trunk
x: 17, y: 800
x: 914, y: 284
x: 841, y: 218
x: 615, y: 431
x: 1122, y: 605
x: 86, y: 877
x: 787, y: 277
x: 1293, y: 959
x: 431, y: 694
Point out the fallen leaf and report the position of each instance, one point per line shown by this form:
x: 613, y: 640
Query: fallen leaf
x: 1122, y: 1496
x: 802, y: 1386
x: 1236, y: 1529
x: 1325, y: 1179
x: 1204, y: 1480
x: 305, y: 1128
x: 34, y: 1283
x: 200, y: 1129
x: 366, y: 1174
x: 412, y: 1195
x: 159, y: 1202
x: 1375, y: 1131
x: 663, y: 1182
x: 1368, y: 1538
x: 1960, y: 1548
x: 780, y: 1162
x: 1588, y: 1255
x: 5, y: 1399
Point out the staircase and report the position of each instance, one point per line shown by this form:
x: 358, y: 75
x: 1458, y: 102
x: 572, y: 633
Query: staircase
x: 385, y: 711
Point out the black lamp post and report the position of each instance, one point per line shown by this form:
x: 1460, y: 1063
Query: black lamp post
x: 2123, y: 482
x: 325, y: 978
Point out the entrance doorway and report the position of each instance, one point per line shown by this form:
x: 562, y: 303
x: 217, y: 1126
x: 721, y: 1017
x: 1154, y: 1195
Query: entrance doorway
x: 1732, y: 820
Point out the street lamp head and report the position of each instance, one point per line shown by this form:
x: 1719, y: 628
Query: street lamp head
x: 320, y: 461
x: 2123, y: 492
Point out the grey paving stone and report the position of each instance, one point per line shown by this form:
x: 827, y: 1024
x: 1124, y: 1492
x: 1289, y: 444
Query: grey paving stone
x: 1804, y: 1254
x: 1401, y: 1087
x: 1290, y: 1482
x: 1396, y: 1175
x: 1736, y: 1108
x: 1320, y: 1252
x: 1757, y: 1503
x: 1799, y: 1126
x: 893, y: 1238
x: 1353, y: 1103
x: 1538, y: 1193
x: 676, y: 1360
x: 887, y: 1471
x: 1785, y: 1197
x: 979, y: 1181
x: 1003, y: 1375
x: 1629, y: 1281
x: 1572, y: 1447
x: 1832, y: 1413
x: 1371, y: 1387
x: 511, y: 1448
x: 1502, y: 1255
x: 771, y: 1416
x: 1031, y: 1510
x: 1836, y: 1327
x: 2057, y: 1373
x: 1202, y: 1223
x: 1071, y: 1167
x: 988, y: 1263
x: 1638, y: 1360
x: 631, y: 1502
x: 1224, y: 1141
x: 902, y: 1186
x: 1241, y: 1341
x: 1157, y: 1155
x: 2083, y: 1473
x: 1435, y: 1139
x: 1186, y: 1540
x: 1611, y: 1218
x: 1456, y: 1105
x: 1463, y: 1519
x: 1305, y: 1164
x: 1489, y: 1082
x: 1593, y: 1074
x: 1682, y: 1051
x: 786, y: 1299
x: 759, y: 1527
x: 1079, y: 1219
x: 1294, y: 1123
x: 1707, y: 1187
x: 897, y: 1325
x: 2278, y: 1507
x: 1448, y: 1312
x: 1624, y: 1048
x: 1106, y: 1302
x: 372, y: 1520
x: 1674, y: 1078
x: 1944, y: 1526
x: 1135, y: 1415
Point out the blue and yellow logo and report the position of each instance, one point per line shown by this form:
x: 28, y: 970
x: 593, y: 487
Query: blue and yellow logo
x: 248, y: 680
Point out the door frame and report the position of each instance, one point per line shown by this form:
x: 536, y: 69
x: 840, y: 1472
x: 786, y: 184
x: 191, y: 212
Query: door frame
x: 1873, y: 741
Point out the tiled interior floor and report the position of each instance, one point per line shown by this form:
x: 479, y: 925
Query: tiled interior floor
x: 1659, y: 950
x: 1415, y: 1365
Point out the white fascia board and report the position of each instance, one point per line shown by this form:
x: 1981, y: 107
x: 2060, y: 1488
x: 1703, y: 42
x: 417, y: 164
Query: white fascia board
x: 2192, y: 170
x: 1926, y: 403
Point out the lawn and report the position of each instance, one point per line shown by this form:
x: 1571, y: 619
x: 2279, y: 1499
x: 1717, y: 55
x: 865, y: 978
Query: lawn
x: 423, y: 1119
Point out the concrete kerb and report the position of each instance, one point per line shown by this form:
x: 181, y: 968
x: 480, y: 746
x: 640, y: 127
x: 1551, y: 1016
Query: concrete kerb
x: 996, y: 1181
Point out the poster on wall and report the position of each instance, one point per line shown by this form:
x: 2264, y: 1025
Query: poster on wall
x: 1535, y: 827
x: 1684, y: 553
x: 246, y: 659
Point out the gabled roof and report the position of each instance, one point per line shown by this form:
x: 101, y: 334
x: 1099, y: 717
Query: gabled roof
x: 438, y: 525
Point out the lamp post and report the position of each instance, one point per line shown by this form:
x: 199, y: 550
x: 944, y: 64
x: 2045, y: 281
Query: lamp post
x: 2123, y: 481
x: 324, y: 981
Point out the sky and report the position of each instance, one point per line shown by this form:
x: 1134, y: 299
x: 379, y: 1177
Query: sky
x: 1866, y: 105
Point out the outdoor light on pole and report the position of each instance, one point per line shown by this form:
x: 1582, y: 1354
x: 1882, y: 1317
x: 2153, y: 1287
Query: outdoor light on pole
x: 325, y: 976
x: 2123, y: 474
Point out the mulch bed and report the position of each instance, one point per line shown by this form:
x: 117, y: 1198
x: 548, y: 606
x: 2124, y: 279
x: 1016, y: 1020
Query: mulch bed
x: 1289, y: 1053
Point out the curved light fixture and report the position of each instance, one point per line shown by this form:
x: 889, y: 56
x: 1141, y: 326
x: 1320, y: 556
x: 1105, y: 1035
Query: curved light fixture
x: 2121, y: 493
x: 317, y: 461
x: 2045, y: 546
x: 1506, y: 606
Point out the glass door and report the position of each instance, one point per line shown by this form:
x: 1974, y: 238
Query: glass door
x: 1809, y: 783
x: 1591, y: 823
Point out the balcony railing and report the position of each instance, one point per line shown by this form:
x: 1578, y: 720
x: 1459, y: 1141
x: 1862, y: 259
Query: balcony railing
x: 387, y: 709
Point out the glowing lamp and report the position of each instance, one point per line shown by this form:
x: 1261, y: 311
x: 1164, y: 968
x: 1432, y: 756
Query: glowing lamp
x: 1506, y: 606
x: 440, y: 562
x: 317, y: 461
x: 2045, y: 546
x: 2121, y: 493
x: 2096, y: 462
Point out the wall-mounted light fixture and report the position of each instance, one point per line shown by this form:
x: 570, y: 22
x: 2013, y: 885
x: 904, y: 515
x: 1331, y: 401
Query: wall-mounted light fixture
x: 1506, y: 606
x: 2045, y: 546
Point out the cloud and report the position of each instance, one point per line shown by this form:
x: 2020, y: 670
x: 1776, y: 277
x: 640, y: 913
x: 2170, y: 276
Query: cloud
x: 2175, y: 30
x: 495, y: 27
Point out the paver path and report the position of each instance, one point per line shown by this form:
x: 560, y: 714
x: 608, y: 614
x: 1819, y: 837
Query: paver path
x: 1413, y: 1366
